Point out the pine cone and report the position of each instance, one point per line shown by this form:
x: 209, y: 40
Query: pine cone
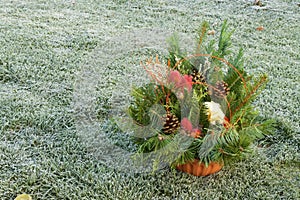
x: 221, y: 89
x: 197, y: 77
x: 171, y: 123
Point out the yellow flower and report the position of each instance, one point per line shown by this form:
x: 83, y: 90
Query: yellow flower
x: 23, y: 197
x: 214, y: 113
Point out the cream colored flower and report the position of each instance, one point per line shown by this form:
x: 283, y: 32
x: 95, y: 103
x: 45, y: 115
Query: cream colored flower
x: 214, y: 113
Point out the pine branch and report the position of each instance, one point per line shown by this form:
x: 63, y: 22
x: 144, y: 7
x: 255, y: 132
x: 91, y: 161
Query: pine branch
x: 202, y: 34
x: 224, y: 41
x: 251, y: 93
x: 173, y: 43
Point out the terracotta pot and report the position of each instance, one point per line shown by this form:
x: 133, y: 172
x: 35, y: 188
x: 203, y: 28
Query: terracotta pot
x: 199, y: 169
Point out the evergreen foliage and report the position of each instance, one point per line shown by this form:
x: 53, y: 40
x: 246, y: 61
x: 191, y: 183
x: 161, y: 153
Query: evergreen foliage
x: 222, y: 142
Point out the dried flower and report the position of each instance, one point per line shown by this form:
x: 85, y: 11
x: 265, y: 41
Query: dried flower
x: 226, y: 123
x: 214, y: 112
x: 186, y: 124
x: 174, y: 77
x: 187, y: 82
x: 182, y: 82
x: 196, y: 133
x: 188, y: 127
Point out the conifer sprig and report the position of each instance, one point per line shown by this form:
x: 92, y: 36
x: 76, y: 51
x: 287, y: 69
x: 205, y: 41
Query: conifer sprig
x: 224, y: 134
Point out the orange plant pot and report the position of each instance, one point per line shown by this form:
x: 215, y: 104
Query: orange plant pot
x: 199, y: 169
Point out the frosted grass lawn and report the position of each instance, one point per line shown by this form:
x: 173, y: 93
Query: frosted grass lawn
x: 60, y: 65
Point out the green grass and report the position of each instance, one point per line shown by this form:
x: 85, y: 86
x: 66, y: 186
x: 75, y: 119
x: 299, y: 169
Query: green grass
x: 66, y: 69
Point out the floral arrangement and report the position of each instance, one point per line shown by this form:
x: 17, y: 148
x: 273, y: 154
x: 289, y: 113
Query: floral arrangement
x: 196, y: 114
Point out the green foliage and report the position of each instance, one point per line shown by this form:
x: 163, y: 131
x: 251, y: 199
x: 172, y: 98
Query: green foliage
x: 174, y: 45
x: 201, y: 36
x: 147, y: 96
x: 144, y: 99
x: 223, y: 143
x: 154, y: 144
x: 224, y: 43
x: 234, y: 75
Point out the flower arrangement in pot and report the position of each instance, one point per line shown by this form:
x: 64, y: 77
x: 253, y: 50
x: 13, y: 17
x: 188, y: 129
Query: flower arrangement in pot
x: 196, y: 114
